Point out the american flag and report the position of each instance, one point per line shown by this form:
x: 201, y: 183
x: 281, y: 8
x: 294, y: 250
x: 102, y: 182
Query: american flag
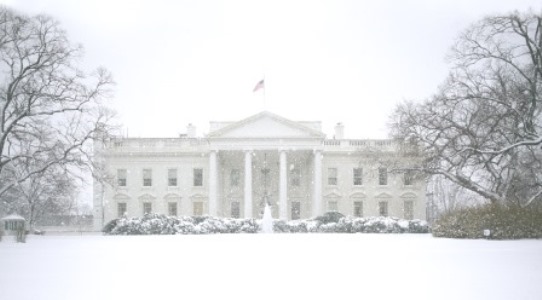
x: 259, y: 85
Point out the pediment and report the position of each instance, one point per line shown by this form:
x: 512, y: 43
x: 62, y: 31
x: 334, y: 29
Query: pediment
x: 358, y: 195
x: 333, y: 194
x: 198, y: 196
x: 384, y: 195
x: 172, y: 196
x: 408, y: 195
x: 147, y: 197
x: 266, y: 125
x: 121, y: 196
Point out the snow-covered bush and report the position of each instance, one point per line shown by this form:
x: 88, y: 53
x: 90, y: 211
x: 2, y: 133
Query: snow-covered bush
x: 297, y: 226
x: 328, y: 227
x: 280, y: 226
x: 160, y: 224
x: 110, y: 225
x: 311, y: 225
x: 330, y: 217
x: 344, y: 225
x: 250, y: 226
x: 380, y: 225
x: 503, y: 222
x: 184, y: 227
x: 418, y: 226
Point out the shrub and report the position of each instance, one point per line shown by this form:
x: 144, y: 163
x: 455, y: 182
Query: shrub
x: 376, y: 225
x: 160, y: 224
x: 503, y: 221
x: 296, y: 226
x: 418, y: 226
x: 249, y: 226
x: 328, y: 227
x: 280, y: 226
x: 330, y: 217
x: 109, y: 226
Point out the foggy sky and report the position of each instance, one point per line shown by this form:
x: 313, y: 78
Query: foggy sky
x: 180, y: 62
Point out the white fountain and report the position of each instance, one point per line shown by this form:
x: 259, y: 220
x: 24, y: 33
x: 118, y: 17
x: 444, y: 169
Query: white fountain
x: 267, y: 220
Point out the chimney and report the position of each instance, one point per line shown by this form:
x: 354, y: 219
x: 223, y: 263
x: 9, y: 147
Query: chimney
x: 191, y: 131
x: 339, y: 131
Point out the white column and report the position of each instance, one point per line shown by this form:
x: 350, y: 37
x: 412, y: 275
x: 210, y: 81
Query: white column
x: 213, y: 183
x: 317, y: 187
x: 283, y: 187
x: 248, y: 184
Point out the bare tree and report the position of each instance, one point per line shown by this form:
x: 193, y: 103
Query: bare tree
x: 44, y: 196
x: 50, y: 110
x: 482, y: 129
x: 447, y: 196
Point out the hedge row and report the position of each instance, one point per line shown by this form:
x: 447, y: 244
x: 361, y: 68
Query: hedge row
x: 160, y: 224
x: 503, y: 222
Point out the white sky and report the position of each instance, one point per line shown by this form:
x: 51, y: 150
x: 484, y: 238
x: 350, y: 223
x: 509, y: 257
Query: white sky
x: 180, y: 62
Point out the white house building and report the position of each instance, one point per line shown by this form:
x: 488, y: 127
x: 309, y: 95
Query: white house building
x: 239, y: 166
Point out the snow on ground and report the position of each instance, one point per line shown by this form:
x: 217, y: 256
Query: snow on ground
x: 269, y: 266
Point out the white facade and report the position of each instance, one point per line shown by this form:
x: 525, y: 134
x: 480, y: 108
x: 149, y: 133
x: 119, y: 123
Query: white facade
x: 239, y: 166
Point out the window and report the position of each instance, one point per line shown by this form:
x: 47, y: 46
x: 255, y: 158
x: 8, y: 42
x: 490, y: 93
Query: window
x: 235, y: 210
x: 198, y: 208
x: 358, y: 176
x: 409, y: 210
x: 409, y: 176
x: 332, y: 206
x: 172, y: 177
x: 121, y: 177
x: 382, y: 176
x: 265, y: 174
x: 235, y: 176
x: 296, y: 210
x: 121, y: 210
x: 358, y: 209
x: 172, y: 208
x: 147, y: 177
x: 198, y: 177
x: 147, y: 208
x: 332, y: 176
x: 295, y: 177
x: 383, y: 208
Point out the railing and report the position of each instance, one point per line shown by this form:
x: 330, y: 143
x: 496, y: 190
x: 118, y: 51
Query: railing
x: 383, y: 143
x: 358, y: 142
x: 198, y: 144
x: 332, y: 142
x: 387, y: 145
x: 158, y: 144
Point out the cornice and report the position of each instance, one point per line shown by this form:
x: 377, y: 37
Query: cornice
x: 218, y: 133
x: 154, y: 154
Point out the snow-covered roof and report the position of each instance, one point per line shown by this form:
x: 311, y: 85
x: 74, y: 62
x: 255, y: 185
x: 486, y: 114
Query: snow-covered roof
x: 13, y: 217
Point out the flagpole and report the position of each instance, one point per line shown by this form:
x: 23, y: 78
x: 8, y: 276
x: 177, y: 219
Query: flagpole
x: 264, y: 102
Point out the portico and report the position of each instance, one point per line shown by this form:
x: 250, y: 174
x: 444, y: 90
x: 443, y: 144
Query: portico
x: 268, y: 148
x: 254, y: 177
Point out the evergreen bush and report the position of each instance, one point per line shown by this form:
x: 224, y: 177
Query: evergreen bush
x: 502, y: 221
x: 330, y: 217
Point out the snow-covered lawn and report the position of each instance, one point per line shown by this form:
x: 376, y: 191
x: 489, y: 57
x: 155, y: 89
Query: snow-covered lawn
x: 269, y: 266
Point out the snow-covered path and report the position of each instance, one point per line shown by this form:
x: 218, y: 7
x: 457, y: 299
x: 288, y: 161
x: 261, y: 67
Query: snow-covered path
x: 269, y: 266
